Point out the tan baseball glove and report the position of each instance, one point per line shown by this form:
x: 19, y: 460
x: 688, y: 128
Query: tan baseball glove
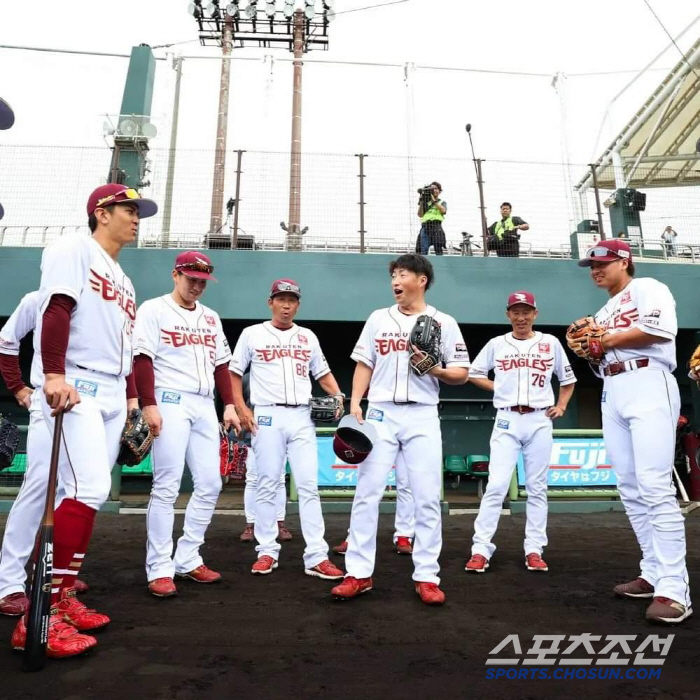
x: 585, y: 338
x: 694, y: 364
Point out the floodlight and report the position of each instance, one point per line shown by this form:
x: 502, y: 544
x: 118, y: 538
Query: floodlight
x: 288, y: 10
x: 310, y: 12
x: 232, y: 9
x: 329, y: 15
x: 252, y: 10
x: 270, y: 9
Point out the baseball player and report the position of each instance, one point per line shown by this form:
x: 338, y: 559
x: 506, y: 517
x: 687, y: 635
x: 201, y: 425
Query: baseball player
x: 404, y: 520
x: 523, y: 362
x: 251, y: 487
x: 28, y: 507
x: 403, y: 409
x: 640, y: 407
x: 83, y: 337
x: 181, y: 355
x: 282, y: 358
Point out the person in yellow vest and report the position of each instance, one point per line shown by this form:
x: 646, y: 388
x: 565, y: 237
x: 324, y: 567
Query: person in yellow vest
x: 432, y: 233
x: 504, y: 235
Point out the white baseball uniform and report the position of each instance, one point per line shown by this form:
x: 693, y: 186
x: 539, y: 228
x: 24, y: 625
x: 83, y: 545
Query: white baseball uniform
x: 523, y: 372
x: 403, y: 409
x: 186, y: 346
x: 640, y: 409
x: 28, y: 507
x: 281, y: 364
x: 98, y: 359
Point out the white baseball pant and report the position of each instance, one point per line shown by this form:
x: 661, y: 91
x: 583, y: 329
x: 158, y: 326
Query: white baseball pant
x: 28, y: 508
x: 285, y: 431
x: 640, y: 414
x: 513, y: 433
x: 190, y: 433
x: 412, y: 430
x: 251, y: 491
x: 91, y: 435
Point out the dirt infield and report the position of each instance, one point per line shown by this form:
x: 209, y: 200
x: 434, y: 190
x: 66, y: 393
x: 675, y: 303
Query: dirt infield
x: 282, y: 636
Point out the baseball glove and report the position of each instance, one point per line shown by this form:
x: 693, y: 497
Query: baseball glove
x: 232, y: 456
x: 694, y: 364
x: 585, y: 338
x: 424, y: 345
x: 327, y: 409
x: 9, y: 439
x: 137, y: 439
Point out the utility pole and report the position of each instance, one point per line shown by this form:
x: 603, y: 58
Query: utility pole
x: 294, y: 222
x: 168, y: 205
x: 217, y: 192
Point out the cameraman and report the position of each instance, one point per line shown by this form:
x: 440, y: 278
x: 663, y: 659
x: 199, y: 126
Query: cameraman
x: 432, y: 211
x: 504, y: 235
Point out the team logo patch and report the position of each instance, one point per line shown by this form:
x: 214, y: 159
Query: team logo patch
x: 375, y: 414
x: 210, y: 320
x: 303, y: 339
x: 86, y: 388
x: 602, y: 398
x: 460, y: 347
x: 654, y: 314
x: 171, y: 397
x: 264, y: 420
x: 503, y: 424
x: 568, y: 371
x: 625, y: 298
x: 543, y: 347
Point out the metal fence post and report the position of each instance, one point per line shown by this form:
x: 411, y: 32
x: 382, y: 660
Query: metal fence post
x: 362, y: 157
x: 237, y: 206
x: 597, y: 201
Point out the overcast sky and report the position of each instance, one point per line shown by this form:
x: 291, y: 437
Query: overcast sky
x: 59, y: 99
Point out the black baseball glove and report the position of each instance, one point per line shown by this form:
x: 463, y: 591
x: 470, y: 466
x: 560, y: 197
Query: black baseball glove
x: 327, y: 409
x: 9, y: 439
x: 424, y: 345
x: 136, y: 441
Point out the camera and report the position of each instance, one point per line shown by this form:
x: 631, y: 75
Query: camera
x: 426, y: 197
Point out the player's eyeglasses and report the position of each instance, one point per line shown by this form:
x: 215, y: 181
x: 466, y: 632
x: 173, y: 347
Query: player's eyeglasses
x: 196, y: 267
x: 601, y: 252
x: 128, y: 193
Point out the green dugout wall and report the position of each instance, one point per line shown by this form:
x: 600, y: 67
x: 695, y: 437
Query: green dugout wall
x: 340, y: 290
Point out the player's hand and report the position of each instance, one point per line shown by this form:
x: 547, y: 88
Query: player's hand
x: 416, y: 356
x: 356, y: 411
x: 555, y: 412
x: 60, y: 395
x: 247, y: 420
x: 152, y: 416
x: 231, y: 419
x: 131, y: 404
x: 24, y: 396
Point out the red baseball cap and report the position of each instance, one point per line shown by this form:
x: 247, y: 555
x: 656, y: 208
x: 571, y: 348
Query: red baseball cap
x: 113, y: 193
x: 527, y: 298
x: 607, y: 251
x: 285, y: 286
x: 192, y: 263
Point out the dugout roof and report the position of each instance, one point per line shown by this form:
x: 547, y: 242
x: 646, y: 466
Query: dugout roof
x: 658, y: 145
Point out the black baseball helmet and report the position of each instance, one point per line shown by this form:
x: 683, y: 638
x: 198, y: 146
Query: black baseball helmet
x: 353, y: 440
x: 7, y: 116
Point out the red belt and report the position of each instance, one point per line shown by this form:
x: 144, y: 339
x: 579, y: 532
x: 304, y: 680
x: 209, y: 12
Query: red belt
x: 619, y: 367
x: 523, y: 409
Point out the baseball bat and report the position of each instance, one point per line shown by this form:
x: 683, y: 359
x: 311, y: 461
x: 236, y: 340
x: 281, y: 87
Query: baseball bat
x: 40, y: 595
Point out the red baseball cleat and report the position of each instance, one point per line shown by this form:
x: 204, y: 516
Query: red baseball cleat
x: 351, y: 587
x: 202, y: 574
x: 639, y: 588
x: 162, y: 587
x: 64, y: 640
x: 264, y: 565
x: 667, y: 612
x: 75, y: 613
x: 534, y: 562
x: 80, y: 586
x: 478, y: 563
x: 325, y: 570
x: 14, y: 605
x: 404, y: 545
x: 283, y: 533
x: 341, y: 548
x: 430, y: 593
x: 248, y: 535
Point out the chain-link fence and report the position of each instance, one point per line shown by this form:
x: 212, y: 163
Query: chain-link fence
x: 349, y: 202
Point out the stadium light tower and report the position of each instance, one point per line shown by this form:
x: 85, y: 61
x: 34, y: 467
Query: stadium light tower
x: 298, y: 25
